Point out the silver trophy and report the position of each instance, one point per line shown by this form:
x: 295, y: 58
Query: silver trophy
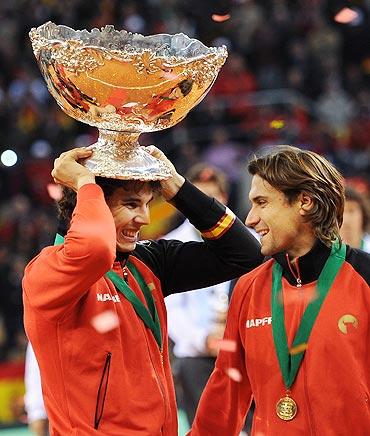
x: 125, y: 84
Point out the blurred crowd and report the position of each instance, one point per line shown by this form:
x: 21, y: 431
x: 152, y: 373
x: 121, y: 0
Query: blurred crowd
x: 294, y: 75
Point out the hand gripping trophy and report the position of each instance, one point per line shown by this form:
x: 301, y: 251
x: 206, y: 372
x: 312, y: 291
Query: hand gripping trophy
x: 125, y: 84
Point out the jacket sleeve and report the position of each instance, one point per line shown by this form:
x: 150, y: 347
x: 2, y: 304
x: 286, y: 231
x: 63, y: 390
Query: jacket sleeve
x: 227, y: 251
x: 59, y: 276
x: 227, y: 396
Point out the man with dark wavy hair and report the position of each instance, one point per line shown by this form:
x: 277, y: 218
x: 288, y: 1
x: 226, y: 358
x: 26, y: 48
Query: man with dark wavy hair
x: 299, y: 322
x: 94, y: 305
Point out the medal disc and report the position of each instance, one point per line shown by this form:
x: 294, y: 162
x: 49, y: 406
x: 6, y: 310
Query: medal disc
x: 286, y: 408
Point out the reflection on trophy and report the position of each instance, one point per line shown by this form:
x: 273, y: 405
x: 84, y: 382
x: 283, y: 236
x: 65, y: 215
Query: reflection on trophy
x: 125, y: 84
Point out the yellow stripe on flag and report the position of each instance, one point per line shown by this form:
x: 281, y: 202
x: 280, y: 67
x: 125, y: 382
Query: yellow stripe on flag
x: 221, y: 227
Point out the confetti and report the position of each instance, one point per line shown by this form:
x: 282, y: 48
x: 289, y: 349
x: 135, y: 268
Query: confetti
x: 105, y: 321
x: 54, y: 191
x: 346, y: 16
x: 277, y: 124
x: 234, y: 374
x: 298, y: 349
x: 170, y: 75
x: 220, y: 18
x: 222, y: 344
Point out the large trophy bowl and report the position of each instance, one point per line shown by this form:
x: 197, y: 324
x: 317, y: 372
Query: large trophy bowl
x: 125, y: 84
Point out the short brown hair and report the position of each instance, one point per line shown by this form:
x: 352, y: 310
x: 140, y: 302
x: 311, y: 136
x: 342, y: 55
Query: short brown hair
x: 294, y: 171
x: 205, y: 173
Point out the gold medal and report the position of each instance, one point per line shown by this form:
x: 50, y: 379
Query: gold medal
x: 286, y: 408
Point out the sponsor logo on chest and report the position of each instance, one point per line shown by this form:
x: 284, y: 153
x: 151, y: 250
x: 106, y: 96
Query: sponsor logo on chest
x: 258, y: 322
x: 108, y: 297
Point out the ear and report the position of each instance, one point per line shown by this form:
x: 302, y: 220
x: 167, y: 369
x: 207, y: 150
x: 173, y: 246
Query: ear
x: 306, y: 203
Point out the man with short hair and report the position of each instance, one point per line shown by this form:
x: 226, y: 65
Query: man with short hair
x: 300, y: 321
x: 94, y: 305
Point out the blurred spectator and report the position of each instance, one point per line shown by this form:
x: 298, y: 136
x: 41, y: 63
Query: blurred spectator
x: 33, y: 400
x: 197, y: 318
x: 356, y: 219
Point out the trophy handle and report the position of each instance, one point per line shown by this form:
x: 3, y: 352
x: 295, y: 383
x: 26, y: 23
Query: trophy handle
x: 118, y: 155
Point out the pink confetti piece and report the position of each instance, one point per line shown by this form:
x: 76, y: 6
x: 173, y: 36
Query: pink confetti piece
x: 105, y: 321
x: 346, y: 16
x: 224, y: 345
x: 220, y: 18
x: 54, y: 191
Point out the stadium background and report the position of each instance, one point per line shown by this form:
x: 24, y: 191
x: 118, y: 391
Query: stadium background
x: 298, y: 72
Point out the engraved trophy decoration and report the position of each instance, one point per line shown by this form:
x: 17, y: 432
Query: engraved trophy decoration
x: 125, y: 84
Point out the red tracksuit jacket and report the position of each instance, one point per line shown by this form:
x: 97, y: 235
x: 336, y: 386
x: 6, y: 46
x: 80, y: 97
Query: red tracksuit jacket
x: 118, y: 383
x: 332, y: 388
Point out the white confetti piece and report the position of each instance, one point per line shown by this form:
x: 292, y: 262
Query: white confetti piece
x: 234, y: 374
x: 105, y: 321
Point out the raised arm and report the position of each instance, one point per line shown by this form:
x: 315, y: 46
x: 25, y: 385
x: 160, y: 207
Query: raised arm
x: 59, y: 276
x: 228, y: 250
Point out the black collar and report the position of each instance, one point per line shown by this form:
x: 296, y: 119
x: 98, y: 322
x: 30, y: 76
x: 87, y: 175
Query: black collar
x: 309, y: 265
x: 122, y: 258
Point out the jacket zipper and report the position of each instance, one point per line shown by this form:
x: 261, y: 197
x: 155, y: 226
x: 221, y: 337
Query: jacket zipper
x: 297, y: 276
x: 102, y: 392
x: 161, y: 387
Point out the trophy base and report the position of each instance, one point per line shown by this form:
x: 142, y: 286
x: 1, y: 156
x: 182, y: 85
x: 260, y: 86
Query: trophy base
x: 118, y: 155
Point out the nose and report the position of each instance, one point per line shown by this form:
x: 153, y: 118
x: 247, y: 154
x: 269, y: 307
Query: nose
x: 143, y: 216
x: 252, y: 218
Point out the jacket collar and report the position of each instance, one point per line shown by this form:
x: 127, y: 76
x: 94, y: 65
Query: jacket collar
x: 309, y: 265
x: 122, y: 258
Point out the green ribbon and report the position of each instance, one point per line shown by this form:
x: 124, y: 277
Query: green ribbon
x: 289, y: 364
x: 149, y: 317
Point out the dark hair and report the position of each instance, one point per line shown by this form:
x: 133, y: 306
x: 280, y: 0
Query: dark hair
x: 352, y: 194
x: 294, y: 171
x: 67, y: 203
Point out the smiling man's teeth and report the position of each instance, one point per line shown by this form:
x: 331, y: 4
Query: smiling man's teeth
x: 263, y: 233
x: 130, y: 234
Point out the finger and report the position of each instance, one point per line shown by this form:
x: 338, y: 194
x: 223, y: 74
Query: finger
x: 150, y: 148
x: 78, y: 153
x: 75, y: 154
x: 156, y: 152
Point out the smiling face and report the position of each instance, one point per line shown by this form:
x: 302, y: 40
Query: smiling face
x: 281, y: 225
x: 130, y: 212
